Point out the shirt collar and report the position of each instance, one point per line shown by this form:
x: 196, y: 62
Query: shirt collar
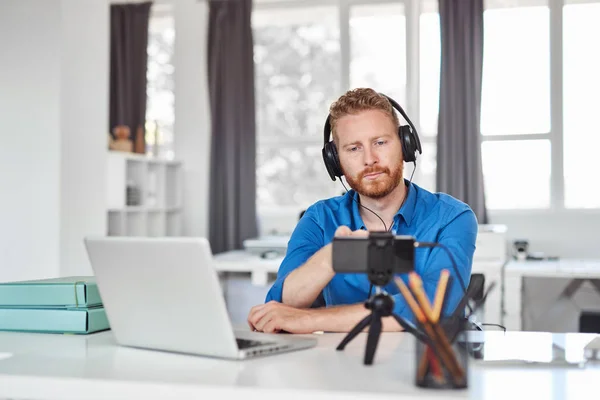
x: 406, y: 211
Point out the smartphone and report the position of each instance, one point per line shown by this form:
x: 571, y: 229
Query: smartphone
x: 380, y: 251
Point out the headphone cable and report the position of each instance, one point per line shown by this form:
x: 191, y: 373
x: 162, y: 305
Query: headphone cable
x: 374, y: 213
x: 366, y: 208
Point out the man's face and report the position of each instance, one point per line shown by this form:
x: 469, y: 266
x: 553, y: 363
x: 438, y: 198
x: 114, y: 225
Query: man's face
x: 370, y: 152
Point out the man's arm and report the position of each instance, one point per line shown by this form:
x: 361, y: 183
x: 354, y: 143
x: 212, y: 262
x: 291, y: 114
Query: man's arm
x: 303, y: 285
x: 306, y: 268
x: 305, y: 242
x: 458, y: 236
x: 275, y: 317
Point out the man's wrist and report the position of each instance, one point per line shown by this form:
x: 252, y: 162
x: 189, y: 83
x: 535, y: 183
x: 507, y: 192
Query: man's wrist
x: 317, y: 319
x: 335, y: 319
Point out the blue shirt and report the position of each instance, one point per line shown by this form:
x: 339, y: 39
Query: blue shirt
x: 428, y: 217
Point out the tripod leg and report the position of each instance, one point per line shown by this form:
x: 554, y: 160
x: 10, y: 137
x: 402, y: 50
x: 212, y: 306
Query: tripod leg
x: 355, y: 331
x: 373, y: 338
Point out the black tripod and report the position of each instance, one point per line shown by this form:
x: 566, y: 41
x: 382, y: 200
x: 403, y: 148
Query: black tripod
x: 381, y: 305
x: 385, y: 257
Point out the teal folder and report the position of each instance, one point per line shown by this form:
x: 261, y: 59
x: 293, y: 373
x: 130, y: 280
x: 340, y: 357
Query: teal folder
x: 74, y: 320
x: 67, y: 292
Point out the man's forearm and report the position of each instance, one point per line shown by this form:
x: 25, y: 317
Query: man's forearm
x: 344, y: 318
x: 302, y: 286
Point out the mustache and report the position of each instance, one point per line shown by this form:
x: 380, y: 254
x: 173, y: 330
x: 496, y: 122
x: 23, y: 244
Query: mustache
x: 374, y: 170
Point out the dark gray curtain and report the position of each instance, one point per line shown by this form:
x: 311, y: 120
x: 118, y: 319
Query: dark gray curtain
x: 233, y: 147
x: 459, y: 167
x: 128, y: 65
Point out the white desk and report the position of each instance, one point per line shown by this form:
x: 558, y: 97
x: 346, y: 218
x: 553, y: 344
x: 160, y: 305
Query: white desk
x: 243, y: 261
x: 260, y: 268
x: 42, y: 366
x: 514, y: 272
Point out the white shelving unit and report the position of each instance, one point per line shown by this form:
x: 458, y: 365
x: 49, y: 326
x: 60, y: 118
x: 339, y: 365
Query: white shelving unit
x: 144, y: 195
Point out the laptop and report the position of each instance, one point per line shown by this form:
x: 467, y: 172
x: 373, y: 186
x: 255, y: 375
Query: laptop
x: 164, y: 294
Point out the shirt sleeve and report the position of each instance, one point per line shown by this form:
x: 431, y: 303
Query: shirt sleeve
x: 305, y: 241
x: 459, y: 237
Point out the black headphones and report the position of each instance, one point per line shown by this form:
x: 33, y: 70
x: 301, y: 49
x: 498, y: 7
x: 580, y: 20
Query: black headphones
x: 408, y: 138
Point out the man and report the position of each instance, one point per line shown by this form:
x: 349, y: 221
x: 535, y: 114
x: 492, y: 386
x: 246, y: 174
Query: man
x: 365, y: 132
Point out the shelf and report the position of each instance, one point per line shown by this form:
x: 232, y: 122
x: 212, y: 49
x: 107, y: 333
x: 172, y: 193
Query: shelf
x: 174, y: 221
x: 156, y: 224
x: 142, y: 158
x: 145, y: 195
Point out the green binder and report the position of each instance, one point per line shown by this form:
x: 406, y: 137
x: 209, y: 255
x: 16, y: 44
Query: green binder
x: 67, y: 292
x: 73, y: 320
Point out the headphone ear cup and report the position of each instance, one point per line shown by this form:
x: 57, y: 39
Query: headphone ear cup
x: 332, y: 162
x: 409, y: 145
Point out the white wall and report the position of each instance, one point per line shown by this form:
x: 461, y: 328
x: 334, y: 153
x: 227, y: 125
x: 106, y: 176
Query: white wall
x: 53, y: 108
x: 84, y: 128
x: 30, y: 135
x: 192, y: 114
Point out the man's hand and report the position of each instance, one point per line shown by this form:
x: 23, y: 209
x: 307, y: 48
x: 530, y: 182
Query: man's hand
x: 346, y: 231
x: 275, y: 317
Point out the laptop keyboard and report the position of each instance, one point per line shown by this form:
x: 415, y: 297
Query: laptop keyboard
x: 245, y: 344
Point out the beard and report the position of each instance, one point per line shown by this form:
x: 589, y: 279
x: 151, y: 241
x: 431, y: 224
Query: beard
x: 379, y: 187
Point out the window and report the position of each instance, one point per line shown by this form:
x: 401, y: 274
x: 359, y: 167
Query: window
x: 429, y: 70
x: 516, y: 70
x: 160, y: 111
x: 306, y: 56
x: 378, y: 49
x: 516, y: 121
x: 429, y: 90
x: 297, y: 57
x: 581, y: 91
x: 517, y: 173
x: 533, y: 144
x: 515, y: 104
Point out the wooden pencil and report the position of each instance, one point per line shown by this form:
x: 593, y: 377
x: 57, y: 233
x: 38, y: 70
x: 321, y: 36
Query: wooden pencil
x: 440, y: 293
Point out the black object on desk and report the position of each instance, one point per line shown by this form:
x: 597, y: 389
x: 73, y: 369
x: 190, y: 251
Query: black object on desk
x: 381, y: 255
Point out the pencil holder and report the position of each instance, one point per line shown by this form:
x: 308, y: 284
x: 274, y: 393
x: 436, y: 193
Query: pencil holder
x: 441, y: 363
